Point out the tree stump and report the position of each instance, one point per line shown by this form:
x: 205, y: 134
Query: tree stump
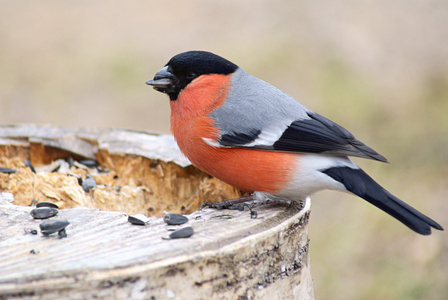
x: 229, y: 256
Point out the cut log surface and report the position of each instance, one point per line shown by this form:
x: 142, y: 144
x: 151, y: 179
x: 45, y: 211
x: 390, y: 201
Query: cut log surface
x: 229, y: 256
x: 86, y: 142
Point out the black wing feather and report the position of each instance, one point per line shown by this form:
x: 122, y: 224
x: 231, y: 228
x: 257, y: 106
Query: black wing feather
x: 233, y: 139
x: 314, y: 135
x: 320, y: 135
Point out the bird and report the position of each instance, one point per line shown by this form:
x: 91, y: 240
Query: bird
x: 255, y: 137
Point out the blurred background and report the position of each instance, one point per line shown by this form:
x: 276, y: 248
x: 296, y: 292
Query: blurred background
x: 378, y: 68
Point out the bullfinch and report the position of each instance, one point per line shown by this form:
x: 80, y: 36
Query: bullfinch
x: 257, y: 138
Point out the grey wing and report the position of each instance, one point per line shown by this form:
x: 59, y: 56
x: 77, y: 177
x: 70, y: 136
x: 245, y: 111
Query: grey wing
x: 259, y: 116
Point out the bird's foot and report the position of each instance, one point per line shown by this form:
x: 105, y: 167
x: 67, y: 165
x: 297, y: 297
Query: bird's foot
x: 299, y: 205
x: 233, y: 204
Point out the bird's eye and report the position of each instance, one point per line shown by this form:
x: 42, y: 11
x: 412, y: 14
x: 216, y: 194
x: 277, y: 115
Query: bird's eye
x: 191, y: 75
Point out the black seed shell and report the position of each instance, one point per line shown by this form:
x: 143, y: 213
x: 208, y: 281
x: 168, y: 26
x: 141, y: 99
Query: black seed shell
x: 30, y: 231
x: 7, y: 170
x: 62, y: 233
x: 46, y: 204
x: 44, y: 212
x: 30, y: 165
x: 182, y: 233
x: 89, y: 163
x: 136, y: 220
x: 88, y: 183
x: 52, y: 226
x: 175, y: 219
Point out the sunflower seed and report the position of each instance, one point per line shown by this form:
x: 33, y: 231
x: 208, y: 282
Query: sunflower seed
x: 175, y: 219
x: 46, y: 204
x: 182, y: 233
x: 44, y: 212
x: 138, y: 219
x: 52, y: 226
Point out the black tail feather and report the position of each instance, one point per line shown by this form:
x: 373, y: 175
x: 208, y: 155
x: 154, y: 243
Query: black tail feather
x: 362, y: 185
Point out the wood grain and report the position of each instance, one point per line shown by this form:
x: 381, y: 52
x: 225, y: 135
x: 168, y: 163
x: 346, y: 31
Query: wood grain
x: 104, y: 256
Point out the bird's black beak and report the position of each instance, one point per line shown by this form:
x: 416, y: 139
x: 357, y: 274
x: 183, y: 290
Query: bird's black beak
x: 163, y: 81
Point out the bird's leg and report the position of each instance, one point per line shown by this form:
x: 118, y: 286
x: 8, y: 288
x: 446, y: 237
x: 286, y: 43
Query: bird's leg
x: 235, y: 204
x: 299, y: 205
x: 228, y: 203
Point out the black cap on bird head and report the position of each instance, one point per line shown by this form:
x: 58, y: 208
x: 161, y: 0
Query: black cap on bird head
x: 185, y: 67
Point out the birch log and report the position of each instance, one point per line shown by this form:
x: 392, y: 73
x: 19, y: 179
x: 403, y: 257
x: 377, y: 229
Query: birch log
x: 230, y: 255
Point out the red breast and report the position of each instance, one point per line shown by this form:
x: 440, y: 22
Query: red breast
x: 247, y: 169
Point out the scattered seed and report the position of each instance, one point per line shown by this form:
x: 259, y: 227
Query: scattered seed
x: 138, y: 219
x: 62, y: 233
x: 88, y: 183
x: 175, y: 219
x: 79, y: 165
x: 44, y: 212
x: 30, y: 165
x: 182, y: 233
x: 47, y: 204
x: 70, y: 161
x: 89, y: 163
x: 52, y: 226
x: 30, y: 231
x: 7, y: 170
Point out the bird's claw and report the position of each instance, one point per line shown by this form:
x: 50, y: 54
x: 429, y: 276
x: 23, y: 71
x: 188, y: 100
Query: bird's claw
x: 226, y: 205
x: 218, y: 205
